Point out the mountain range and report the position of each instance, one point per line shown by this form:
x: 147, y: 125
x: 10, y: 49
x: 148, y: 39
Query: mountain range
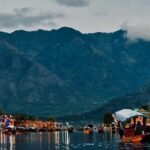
x: 64, y: 72
x: 139, y: 99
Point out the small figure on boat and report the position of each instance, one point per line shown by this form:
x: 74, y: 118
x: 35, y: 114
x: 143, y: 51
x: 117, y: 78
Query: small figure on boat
x: 120, y: 130
x: 100, y: 129
x: 113, y: 127
x: 138, y: 128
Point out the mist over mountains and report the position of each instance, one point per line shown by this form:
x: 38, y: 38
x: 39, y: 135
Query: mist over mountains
x: 62, y: 72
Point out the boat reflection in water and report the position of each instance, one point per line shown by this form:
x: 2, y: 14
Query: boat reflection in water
x: 61, y: 139
x: 7, y: 142
x: 66, y: 141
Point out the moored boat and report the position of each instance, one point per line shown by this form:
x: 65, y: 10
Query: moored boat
x: 133, y: 132
x: 137, y: 138
x: 87, y: 130
x: 100, y: 129
x: 9, y: 130
x: 69, y: 127
x: 24, y: 130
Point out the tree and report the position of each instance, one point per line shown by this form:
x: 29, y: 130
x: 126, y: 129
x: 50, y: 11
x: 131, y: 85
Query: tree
x: 1, y: 112
x: 146, y: 107
x: 52, y: 119
x: 20, y: 117
x: 108, y: 119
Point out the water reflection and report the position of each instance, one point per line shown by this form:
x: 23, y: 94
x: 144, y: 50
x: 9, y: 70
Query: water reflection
x: 56, y: 137
x: 61, y: 139
x: 67, y: 138
x: 7, y: 142
x: 138, y: 146
x: 66, y: 141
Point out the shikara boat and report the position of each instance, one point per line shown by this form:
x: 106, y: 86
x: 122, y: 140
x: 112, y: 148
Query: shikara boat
x: 130, y: 133
x: 100, y: 129
x: 87, y: 130
x: 70, y: 128
x: 9, y: 130
x: 137, y: 138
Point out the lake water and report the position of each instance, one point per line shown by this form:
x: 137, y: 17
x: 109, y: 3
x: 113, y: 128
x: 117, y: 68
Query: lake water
x: 66, y: 141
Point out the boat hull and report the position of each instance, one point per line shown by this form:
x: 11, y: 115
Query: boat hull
x: 100, y: 130
x: 87, y: 131
x: 137, y: 138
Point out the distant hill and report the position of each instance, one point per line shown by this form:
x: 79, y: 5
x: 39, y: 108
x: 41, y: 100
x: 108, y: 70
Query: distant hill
x: 130, y: 101
x: 62, y: 72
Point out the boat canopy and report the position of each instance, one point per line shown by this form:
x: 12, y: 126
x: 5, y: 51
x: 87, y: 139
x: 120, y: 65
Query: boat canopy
x: 125, y: 114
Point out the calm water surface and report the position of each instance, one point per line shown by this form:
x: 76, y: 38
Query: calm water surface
x: 66, y: 141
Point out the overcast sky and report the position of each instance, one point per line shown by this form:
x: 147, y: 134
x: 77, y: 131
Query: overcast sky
x: 84, y: 15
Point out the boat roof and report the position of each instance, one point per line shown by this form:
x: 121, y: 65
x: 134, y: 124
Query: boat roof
x: 125, y: 114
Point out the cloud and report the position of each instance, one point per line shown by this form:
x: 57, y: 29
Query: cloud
x: 101, y: 13
x: 74, y: 3
x: 138, y: 31
x: 26, y: 17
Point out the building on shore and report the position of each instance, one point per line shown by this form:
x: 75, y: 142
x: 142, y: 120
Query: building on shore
x: 47, y: 125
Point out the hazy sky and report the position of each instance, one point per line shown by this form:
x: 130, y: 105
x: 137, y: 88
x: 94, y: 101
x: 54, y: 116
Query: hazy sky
x: 83, y: 15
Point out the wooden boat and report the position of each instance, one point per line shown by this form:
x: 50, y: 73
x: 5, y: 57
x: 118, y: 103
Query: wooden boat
x: 21, y: 130
x: 100, y: 129
x: 134, y: 139
x: 70, y: 129
x: 9, y: 130
x: 137, y: 138
x: 87, y: 130
x: 25, y: 130
x: 130, y: 134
